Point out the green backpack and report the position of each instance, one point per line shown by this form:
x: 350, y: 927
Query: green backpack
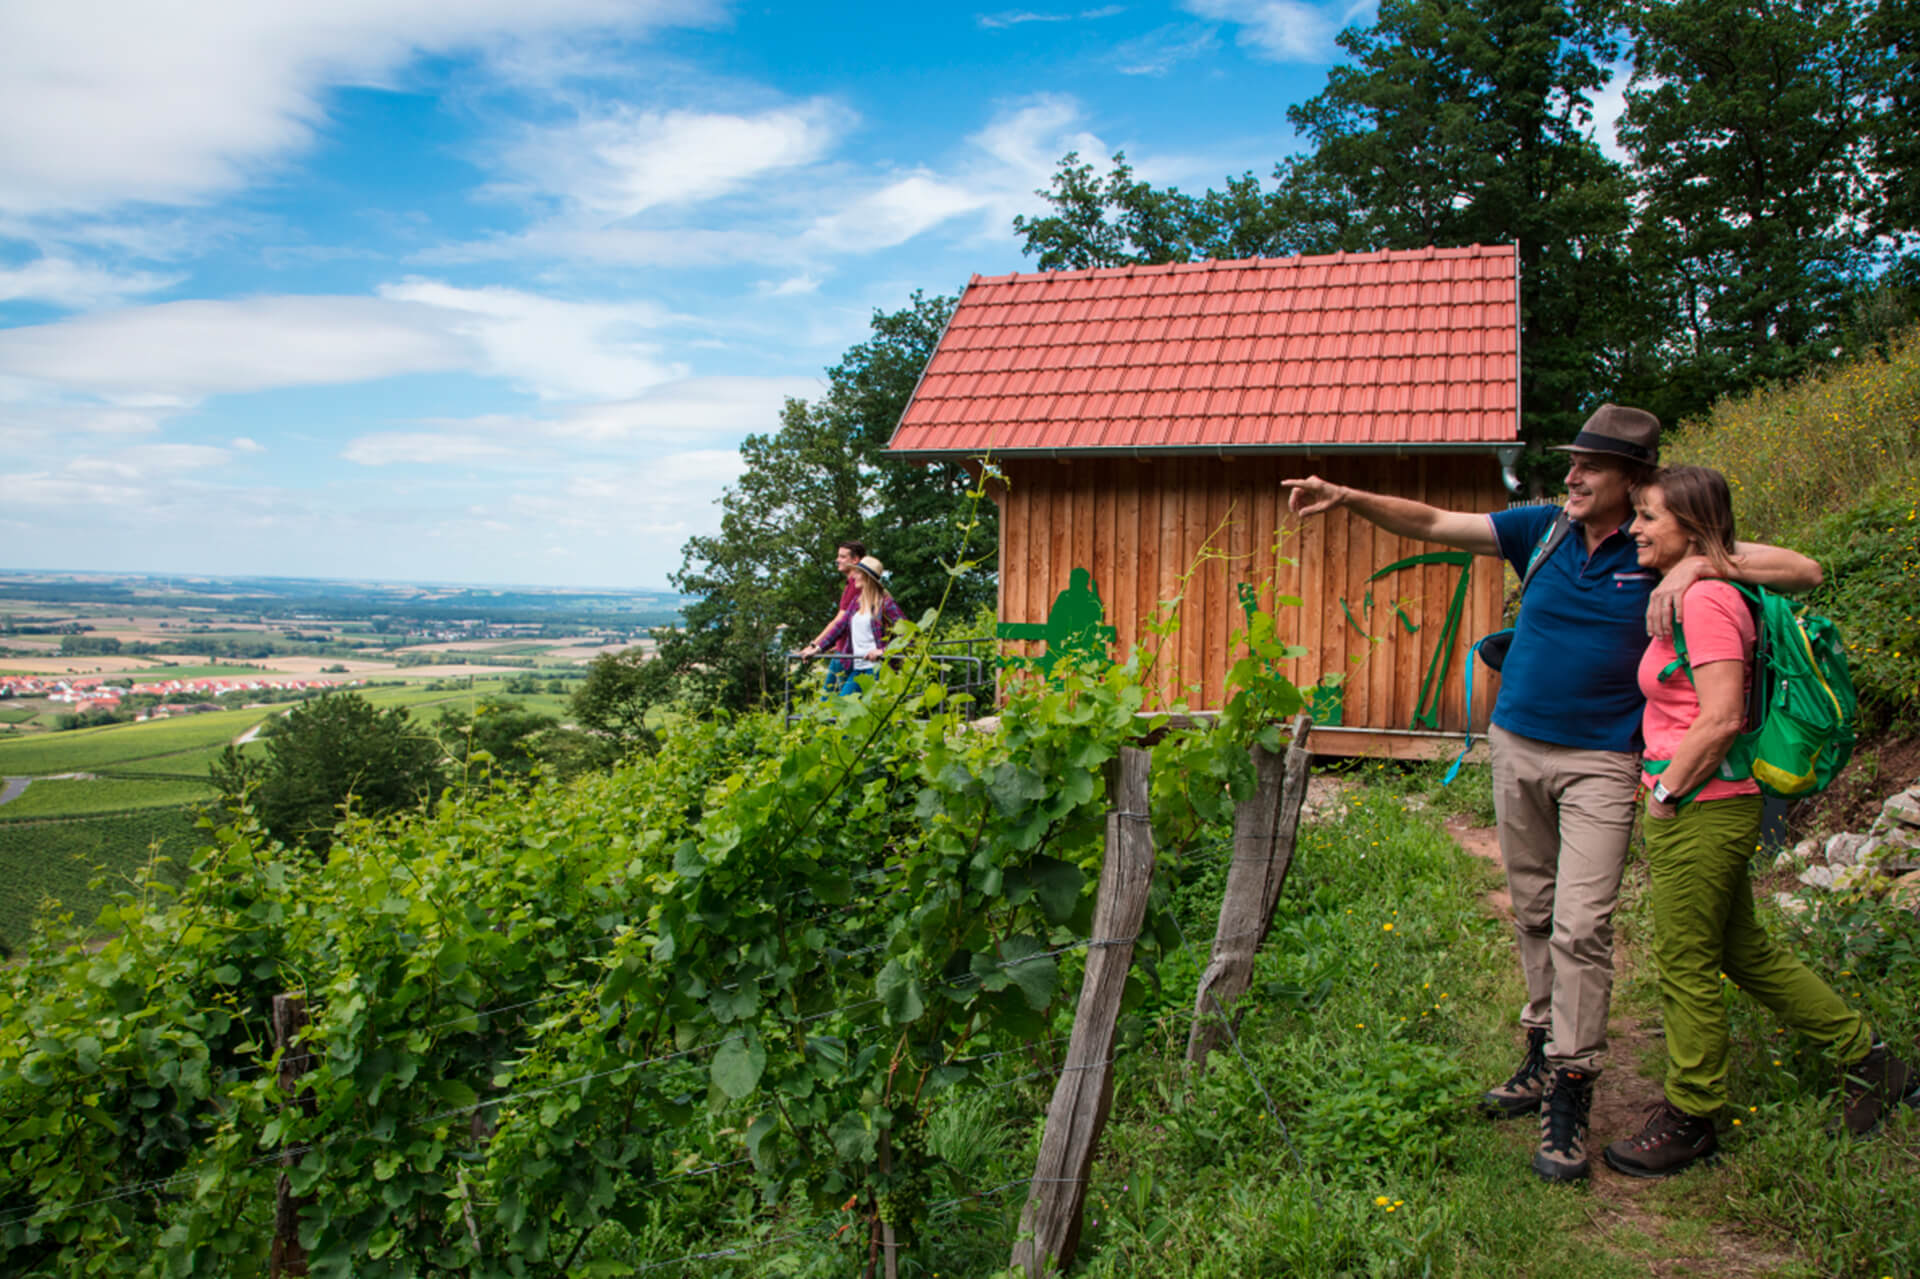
x: 1801, y: 707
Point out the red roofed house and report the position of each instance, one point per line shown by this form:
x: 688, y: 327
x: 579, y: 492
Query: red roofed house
x: 1140, y: 414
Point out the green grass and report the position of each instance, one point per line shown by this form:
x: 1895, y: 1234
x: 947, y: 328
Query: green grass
x: 57, y: 859
x: 88, y: 750
x: 16, y: 714
x: 73, y: 797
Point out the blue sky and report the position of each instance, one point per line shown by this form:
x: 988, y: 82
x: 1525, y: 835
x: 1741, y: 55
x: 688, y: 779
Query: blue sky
x: 490, y: 291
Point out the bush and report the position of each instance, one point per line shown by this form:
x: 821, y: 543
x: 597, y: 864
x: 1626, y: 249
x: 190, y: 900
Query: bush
x: 1793, y: 455
x: 1872, y: 557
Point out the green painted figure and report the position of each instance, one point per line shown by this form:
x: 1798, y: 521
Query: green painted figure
x: 1073, y: 625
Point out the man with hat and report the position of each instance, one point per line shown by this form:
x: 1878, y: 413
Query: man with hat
x: 1566, y: 739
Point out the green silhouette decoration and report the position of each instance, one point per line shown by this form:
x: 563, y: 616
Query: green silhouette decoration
x: 1427, y: 709
x: 1074, y: 626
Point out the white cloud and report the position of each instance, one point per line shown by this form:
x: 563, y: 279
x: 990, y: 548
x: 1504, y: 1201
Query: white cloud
x: 622, y: 162
x: 704, y: 405
x: 106, y: 102
x: 424, y: 448
x: 792, y: 286
x: 241, y: 444
x: 557, y: 349
x: 66, y: 283
x: 995, y: 177
x: 178, y: 352
x: 1277, y: 30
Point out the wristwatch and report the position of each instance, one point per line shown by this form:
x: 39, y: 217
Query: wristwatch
x: 1661, y: 795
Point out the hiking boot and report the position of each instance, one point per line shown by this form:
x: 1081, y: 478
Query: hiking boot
x: 1873, y: 1086
x: 1522, y: 1092
x: 1671, y: 1141
x: 1563, y: 1126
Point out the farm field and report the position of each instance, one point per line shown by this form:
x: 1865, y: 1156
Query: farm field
x: 92, y: 749
x: 69, y: 797
x: 55, y: 859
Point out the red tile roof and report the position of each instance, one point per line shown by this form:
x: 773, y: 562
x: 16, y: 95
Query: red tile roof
x: 1392, y: 349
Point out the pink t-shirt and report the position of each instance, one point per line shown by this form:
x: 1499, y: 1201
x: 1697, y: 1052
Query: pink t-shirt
x: 1719, y: 628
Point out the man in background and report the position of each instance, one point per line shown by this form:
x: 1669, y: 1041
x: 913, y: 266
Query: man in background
x: 846, y: 562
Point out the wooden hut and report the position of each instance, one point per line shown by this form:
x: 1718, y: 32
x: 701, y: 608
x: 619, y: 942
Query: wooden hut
x: 1143, y: 418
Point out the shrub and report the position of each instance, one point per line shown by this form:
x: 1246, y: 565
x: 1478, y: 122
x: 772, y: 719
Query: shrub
x: 1872, y: 557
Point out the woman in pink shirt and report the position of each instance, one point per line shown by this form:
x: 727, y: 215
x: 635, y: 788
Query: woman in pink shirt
x: 1701, y: 827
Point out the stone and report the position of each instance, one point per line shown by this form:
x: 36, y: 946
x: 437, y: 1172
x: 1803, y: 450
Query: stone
x: 1895, y: 853
x: 1903, y: 808
x: 1790, y: 904
x: 1855, y: 879
x: 1843, y: 849
x: 1905, y: 892
x: 1817, y: 876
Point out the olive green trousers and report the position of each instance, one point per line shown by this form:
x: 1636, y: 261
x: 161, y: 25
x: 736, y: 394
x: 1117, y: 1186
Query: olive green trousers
x: 1704, y: 925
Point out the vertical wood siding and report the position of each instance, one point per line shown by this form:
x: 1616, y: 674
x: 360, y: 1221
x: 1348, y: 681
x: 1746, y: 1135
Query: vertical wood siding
x: 1153, y: 530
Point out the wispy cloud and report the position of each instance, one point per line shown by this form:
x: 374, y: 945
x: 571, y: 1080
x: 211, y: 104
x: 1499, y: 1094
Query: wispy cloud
x: 1020, y: 17
x: 66, y: 283
x: 1161, y: 50
x: 1276, y: 30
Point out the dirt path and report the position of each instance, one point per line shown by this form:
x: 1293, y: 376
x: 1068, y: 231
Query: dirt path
x: 11, y: 788
x: 1630, y: 1216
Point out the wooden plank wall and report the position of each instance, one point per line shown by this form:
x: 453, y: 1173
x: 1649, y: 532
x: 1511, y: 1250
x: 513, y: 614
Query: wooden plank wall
x: 1157, y: 530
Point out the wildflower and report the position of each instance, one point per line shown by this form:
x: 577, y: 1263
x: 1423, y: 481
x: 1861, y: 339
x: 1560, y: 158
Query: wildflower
x: 1387, y: 928
x: 1381, y: 1201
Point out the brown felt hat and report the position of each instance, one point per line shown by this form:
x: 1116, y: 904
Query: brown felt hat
x: 1623, y: 432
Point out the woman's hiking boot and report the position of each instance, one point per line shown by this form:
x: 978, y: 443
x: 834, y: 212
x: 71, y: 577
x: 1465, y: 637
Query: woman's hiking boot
x: 1522, y: 1092
x: 1873, y: 1086
x: 1563, y: 1126
x: 1672, y: 1140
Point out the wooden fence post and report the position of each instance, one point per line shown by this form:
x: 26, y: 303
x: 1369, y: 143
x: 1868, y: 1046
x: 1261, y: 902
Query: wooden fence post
x: 289, y: 1025
x: 1264, y: 827
x: 1050, y: 1223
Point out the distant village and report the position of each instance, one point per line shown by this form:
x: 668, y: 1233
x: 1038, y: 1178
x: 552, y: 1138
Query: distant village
x: 178, y: 696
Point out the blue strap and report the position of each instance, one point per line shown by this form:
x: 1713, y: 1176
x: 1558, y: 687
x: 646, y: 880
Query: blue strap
x: 1461, y: 758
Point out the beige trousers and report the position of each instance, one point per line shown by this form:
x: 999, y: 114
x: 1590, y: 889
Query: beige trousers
x: 1565, y: 817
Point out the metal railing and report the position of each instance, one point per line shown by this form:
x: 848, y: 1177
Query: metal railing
x: 958, y: 665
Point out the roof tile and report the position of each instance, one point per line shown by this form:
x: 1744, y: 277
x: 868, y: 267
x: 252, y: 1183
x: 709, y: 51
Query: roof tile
x: 1381, y: 348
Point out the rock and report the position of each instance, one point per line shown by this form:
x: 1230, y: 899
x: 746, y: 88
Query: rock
x: 1790, y: 858
x: 1894, y: 853
x: 1903, y: 808
x: 1817, y: 876
x: 1790, y: 904
x: 1843, y: 849
x: 1855, y: 879
x: 1905, y: 892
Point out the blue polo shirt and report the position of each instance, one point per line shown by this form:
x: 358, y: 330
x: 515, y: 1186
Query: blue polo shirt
x: 1570, y: 676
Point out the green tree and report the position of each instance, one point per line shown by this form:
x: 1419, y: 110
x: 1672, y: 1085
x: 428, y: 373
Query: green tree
x: 1754, y: 130
x: 328, y: 755
x: 619, y: 692
x: 1454, y: 122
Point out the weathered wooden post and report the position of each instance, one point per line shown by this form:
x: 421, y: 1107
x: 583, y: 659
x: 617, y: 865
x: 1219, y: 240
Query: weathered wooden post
x: 1050, y: 1224
x: 289, y: 1025
x: 1264, y: 827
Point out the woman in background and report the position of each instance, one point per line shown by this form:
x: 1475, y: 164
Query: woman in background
x: 1700, y: 829
x: 868, y: 625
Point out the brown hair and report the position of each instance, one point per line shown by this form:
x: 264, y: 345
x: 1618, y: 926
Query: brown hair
x: 856, y: 549
x: 1701, y: 504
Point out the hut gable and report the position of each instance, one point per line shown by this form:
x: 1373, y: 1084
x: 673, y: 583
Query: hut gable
x: 1348, y: 352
